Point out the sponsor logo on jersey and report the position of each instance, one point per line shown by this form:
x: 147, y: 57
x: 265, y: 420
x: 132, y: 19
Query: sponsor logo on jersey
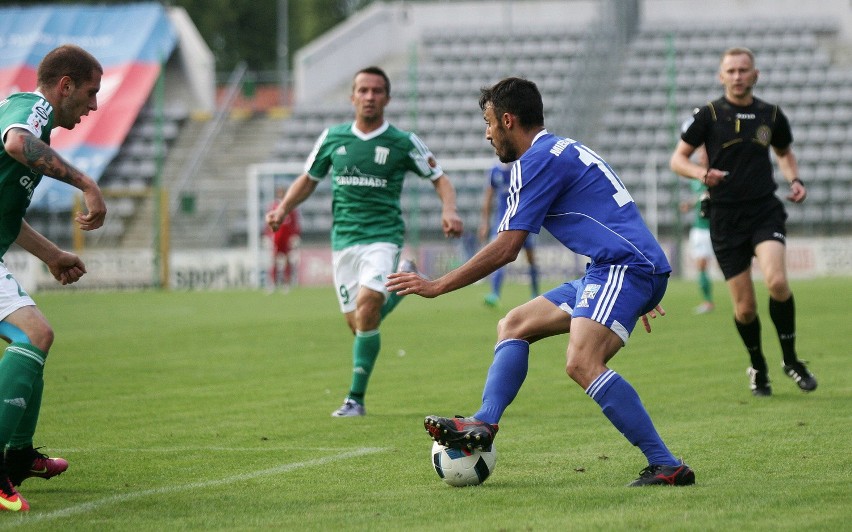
x: 746, y: 116
x: 341, y: 150
x: 355, y: 178
x: 381, y: 155
x: 38, y: 117
x: 29, y: 183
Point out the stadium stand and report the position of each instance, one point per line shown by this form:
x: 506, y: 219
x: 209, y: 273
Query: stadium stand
x: 440, y: 104
x: 630, y: 112
x: 121, y: 144
x: 642, y: 123
x: 639, y: 126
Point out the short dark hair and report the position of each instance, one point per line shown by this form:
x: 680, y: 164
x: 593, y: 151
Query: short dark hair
x: 516, y: 96
x: 373, y: 70
x: 738, y: 50
x: 67, y: 60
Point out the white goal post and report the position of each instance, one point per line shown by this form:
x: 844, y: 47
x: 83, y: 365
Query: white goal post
x: 421, y: 206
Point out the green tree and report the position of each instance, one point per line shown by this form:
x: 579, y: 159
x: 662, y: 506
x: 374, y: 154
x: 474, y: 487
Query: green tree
x: 237, y: 30
x: 247, y: 30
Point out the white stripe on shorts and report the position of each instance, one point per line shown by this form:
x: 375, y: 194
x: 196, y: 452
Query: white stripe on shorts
x: 609, y: 294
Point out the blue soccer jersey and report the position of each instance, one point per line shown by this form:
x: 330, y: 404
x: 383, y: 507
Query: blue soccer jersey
x: 565, y: 187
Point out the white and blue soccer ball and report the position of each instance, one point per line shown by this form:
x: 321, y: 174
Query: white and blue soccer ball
x: 463, y: 467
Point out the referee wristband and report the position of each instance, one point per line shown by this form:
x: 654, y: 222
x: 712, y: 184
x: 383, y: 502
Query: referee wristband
x: 797, y: 180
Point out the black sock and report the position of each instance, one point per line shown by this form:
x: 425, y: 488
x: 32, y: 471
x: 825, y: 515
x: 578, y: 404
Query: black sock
x: 783, y: 314
x: 750, y: 333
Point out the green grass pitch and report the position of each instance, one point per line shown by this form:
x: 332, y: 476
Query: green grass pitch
x: 210, y: 411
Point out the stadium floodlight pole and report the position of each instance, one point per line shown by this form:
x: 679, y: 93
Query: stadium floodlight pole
x: 161, y: 237
x: 283, y: 48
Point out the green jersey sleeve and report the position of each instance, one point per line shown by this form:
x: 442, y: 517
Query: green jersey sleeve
x: 319, y: 161
x: 422, y: 161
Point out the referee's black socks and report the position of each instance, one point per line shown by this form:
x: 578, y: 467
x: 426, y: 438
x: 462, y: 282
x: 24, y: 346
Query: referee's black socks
x: 783, y: 314
x: 750, y: 333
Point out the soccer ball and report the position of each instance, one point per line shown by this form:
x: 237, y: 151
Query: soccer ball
x: 463, y: 467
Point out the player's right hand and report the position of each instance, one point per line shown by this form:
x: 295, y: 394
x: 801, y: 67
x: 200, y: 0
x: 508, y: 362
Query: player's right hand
x: 713, y: 177
x: 404, y: 283
x: 67, y: 268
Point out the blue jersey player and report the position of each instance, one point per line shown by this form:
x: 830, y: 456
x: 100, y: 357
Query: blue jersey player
x: 565, y: 187
x: 499, y: 180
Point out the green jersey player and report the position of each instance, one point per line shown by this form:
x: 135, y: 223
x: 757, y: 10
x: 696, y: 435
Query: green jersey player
x: 69, y: 79
x: 368, y: 160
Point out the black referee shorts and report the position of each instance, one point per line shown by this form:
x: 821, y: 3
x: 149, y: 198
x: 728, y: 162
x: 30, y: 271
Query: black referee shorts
x: 736, y: 229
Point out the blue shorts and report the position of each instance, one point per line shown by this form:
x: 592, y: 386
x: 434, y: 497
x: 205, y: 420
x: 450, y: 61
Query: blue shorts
x: 613, y: 295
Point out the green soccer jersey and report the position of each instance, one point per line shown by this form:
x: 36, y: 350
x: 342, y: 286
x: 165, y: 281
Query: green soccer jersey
x: 30, y: 111
x: 367, y: 173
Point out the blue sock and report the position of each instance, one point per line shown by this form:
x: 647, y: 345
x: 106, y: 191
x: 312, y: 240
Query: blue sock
x: 497, y: 281
x: 505, y: 377
x: 622, y: 406
x: 534, y: 280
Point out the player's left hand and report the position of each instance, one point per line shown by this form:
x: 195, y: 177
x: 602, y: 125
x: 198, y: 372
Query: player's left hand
x: 452, y: 225
x: 96, y: 210
x: 652, y: 314
x: 404, y: 283
x: 798, y: 193
x: 273, y: 219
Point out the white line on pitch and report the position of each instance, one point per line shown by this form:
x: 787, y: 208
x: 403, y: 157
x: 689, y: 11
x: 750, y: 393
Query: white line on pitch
x: 32, y: 517
x: 63, y: 451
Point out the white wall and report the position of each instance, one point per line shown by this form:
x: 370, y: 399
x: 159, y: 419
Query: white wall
x: 191, y: 72
x: 685, y: 12
x: 384, y: 32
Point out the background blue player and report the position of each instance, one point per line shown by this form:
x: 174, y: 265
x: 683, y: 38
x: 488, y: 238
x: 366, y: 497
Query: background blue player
x: 496, y: 195
x: 565, y: 187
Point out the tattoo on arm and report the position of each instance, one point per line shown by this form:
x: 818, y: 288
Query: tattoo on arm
x: 43, y: 158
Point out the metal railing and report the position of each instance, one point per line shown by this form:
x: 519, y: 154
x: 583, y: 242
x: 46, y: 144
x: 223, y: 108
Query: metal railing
x: 205, y: 140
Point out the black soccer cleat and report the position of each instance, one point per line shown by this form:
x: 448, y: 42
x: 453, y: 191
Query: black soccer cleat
x: 665, y: 475
x: 22, y: 464
x: 460, y: 432
x: 800, y: 374
x: 759, y: 383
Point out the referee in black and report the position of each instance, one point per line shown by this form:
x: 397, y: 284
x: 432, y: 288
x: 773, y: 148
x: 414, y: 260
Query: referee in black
x: 746, y: 218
